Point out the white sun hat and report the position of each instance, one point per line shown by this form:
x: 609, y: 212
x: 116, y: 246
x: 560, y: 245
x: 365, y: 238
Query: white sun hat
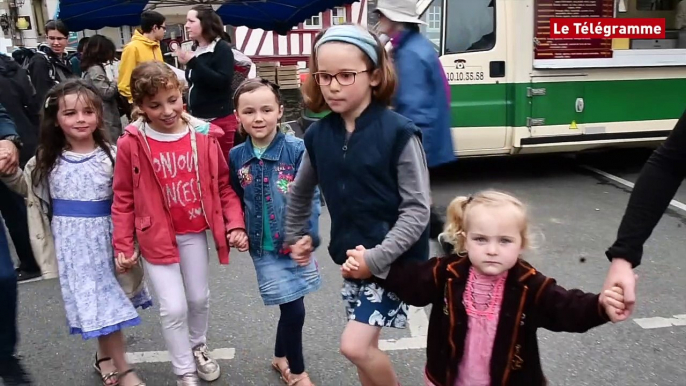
x: 399, y: 11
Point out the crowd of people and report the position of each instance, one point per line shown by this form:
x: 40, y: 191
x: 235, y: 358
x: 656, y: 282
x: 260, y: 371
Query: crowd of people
x: 110, y: 208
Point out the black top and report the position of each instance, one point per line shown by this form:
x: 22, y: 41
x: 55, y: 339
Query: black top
x: 19, y: 99
x: 46, y: 69
x: 656, y: 186
x: 209, y: 76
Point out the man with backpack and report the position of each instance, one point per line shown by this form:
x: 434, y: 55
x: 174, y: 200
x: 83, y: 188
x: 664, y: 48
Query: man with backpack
x: 48, y: 65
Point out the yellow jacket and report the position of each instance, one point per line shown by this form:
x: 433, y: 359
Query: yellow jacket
x: 139, y: 50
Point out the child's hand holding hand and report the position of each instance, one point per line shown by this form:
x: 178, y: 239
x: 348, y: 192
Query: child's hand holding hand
x: 301, y: 251
x: 356, y: 267
x: 238, y: 239
x: 348, y: 267
x: 613, y: 301
x: 124, y: 263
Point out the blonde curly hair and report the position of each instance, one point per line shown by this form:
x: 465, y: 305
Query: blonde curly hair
x: 458, y: 212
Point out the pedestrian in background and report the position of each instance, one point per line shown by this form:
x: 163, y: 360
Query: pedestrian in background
x: 11, y: 370
x: 98, y: 55
x: 209, y: 72
x: 75, y: 58
x: 144, y: 46
x: 21, y: 104
x: 49, y: 65
x: 423, y: 93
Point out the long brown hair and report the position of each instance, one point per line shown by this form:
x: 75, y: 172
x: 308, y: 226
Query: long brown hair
x: 99, y: 51
x: 52, y: 140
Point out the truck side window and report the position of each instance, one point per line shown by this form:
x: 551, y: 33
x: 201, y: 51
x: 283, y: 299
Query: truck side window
x: 470, y: 26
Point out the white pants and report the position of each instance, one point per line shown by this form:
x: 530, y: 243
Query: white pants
x: 184, y: 296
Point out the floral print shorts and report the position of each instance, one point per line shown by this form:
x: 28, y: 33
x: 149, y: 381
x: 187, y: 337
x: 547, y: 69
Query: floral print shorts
x: 368, y: 302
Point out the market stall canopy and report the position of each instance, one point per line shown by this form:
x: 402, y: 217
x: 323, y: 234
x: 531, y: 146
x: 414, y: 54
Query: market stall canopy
x: 271, y: 15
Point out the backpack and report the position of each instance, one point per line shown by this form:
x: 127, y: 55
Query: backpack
x: 23, y: 56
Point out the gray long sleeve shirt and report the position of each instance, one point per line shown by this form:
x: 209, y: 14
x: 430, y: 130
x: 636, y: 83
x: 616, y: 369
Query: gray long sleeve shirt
x: 415, y: 193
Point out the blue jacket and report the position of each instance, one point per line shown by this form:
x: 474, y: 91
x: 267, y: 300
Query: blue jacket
x: 253, y: 178
x: 7, y: 126
x: 422, y: 96
x: 358, y: 176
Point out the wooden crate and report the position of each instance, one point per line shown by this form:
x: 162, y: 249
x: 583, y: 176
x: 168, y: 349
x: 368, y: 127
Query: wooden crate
x: 288, y: 77
x: 267, y: 70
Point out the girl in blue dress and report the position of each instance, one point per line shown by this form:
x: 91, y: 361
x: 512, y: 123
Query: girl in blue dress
x: 70, y: 181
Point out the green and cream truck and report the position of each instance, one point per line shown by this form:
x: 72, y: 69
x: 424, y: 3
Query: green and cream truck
x: 514, y: 91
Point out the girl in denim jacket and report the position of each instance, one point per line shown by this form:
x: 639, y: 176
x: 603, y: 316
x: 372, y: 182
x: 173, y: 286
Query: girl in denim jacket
x: 262, y: 169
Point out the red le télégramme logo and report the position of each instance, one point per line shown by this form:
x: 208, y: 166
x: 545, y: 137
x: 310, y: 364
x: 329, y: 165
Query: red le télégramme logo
x: 606, y: 28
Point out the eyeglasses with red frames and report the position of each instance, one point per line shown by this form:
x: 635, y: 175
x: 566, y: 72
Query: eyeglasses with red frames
x: 344, y: 78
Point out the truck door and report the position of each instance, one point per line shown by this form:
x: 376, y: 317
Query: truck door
x: 557, y: 107
x: 472, y: 42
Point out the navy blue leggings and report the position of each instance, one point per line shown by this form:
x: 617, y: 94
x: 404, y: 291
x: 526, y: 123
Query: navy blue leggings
x: 289, y: 335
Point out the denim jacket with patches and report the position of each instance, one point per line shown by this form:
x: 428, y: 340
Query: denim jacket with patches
x: 266, y: 180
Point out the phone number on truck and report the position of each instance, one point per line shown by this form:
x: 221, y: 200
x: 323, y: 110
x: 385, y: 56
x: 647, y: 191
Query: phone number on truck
x: 463, y: 76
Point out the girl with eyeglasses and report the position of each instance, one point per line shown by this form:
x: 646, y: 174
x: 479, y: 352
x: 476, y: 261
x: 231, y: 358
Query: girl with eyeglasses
x: 371, y: 168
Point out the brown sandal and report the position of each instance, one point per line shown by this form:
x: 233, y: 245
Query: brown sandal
x: 302, y: 377
x: 284, y: 374
x: 106, y: 378
x: 129, y: 371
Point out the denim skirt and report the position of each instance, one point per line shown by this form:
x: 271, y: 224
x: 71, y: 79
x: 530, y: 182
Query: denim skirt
x: 281, y: 280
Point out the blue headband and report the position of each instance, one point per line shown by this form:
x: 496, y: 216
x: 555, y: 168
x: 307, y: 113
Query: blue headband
x: 354, y: 35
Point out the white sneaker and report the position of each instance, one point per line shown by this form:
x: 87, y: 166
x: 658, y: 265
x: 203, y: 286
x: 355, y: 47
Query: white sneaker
x: 208, y: 368
x: 188, y: 379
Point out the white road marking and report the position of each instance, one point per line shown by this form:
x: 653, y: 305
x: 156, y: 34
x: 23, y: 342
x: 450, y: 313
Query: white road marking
x: 659, y: 322
x: 419, y: 326
x: 163, y: 356
x: 628, y: 184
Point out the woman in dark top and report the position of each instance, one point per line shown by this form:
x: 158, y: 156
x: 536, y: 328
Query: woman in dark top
x: 656, y: 186
x: 209, y: 72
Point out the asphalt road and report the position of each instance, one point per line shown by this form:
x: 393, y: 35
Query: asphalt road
x: 575, y: 214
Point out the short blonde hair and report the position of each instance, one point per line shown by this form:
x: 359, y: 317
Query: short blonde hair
x: 457, y: 221
x: 383, y: 93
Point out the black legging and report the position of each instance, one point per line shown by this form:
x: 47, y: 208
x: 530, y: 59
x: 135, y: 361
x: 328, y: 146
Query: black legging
x: 289, y: 335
